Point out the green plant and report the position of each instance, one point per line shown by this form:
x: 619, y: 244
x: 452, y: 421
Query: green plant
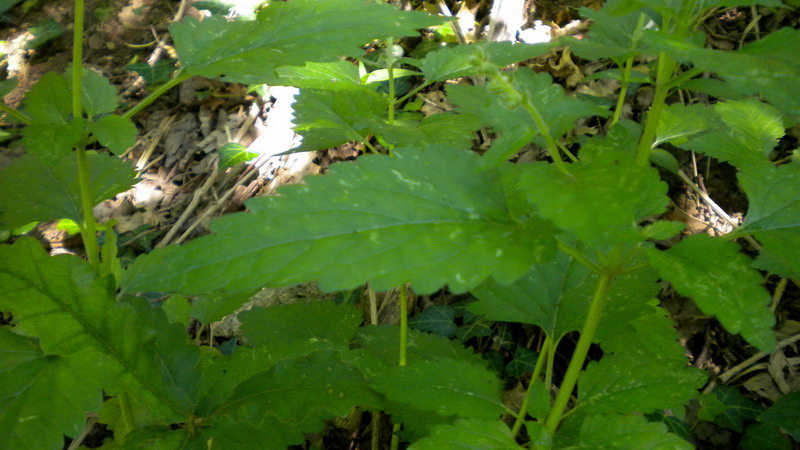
x: 557, y: 244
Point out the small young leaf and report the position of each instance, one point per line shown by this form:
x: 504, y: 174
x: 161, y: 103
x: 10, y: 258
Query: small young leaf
x: 42, y: 398
x: 152, y: 74
x: 291, y: 33
x: 679, y: 123
x: 98, y: 95
x: 469, y: 433
x: 432, y: 386
x: 737, y: 408
x: 338, y: 75
x: 613, y: 431
x: 210, y: 308
x: 55, y: 194
x: 454, y: 62
x: 600, y: 201
x: 460, y: 131
x: 615, y: 37
x: 422, y: 216
x: 232, y: 154
x: 785, y: 413
x: 524, y: 361
x: 49, y: 100
x: 477, y: 328
x: 116, y: 133
x: 438, y: 319
x: 720, y: 280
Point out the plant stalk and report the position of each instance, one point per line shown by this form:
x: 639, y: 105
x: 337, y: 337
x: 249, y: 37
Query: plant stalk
x: 663, y: 75
x: 581, y: 350
x: 540, y: 362
x: 403, y: 324
x: 158, y: 92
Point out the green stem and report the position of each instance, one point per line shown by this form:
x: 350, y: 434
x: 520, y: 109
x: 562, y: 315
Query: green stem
x: 128, y: 420
x: 663, y: 74
x: 88, y: 230
x: 414, y: 91
x: 580, y: 257
x: 403, y: 324
x: 77, y: 60
x: 390, y: 68
x: 14, y: 113
x: 523, y: 410
x: 158, y: 92
x: 581, y: 350
x: 623, y: 90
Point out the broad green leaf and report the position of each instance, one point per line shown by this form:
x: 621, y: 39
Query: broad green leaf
x: 42, y: 398
x: 774, y: 215
x: 434, y: 386
x: 52, y: 142
x: 553, y: 296
x: 221, y: 374
x: 636, y: 382
x: 613, y: 431
x: 49, y: 100
x: 609, y: 36
x: 152, y: 74
x: 55, y: 193
x: 767, y: 66
x: 381, y: 344
x: 469, y: 434
x: 785, y: 413
x: 745, y: 133
x: 438, y: 319
x: 411, y: 133
x: 338, y: 75
x: 209, y: 308
x: 301, y: 327
x: 721, y: 282
x: 679, y: 123
x: 291, y: 33
x: 6, y: 86
x: 127, y: 347
x: 328, y: 118
x: 758, y: 436
x: 296, y: 395
x: 232, y: 154
x: 116, y: 133
x: 600, y: 201
x: 422, y: 216
x: 510, y: 117
x: 42, y: 32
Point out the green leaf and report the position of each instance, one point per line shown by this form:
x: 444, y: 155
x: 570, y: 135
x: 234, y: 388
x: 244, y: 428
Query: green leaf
x: 476, y: 329
x: 679, y: 123
x: 609, y: 36
x: 460, y: 131
x: 152, y: 74
x: 127, y: 347
x: 758, y: 436
x: 438, y: 319
x: 301, y: 327
x: 612, y: 431
x: 737, y: 409
x: 745, y: 133
x: 52, y: 142
x: 295, y: 396
x: 98, y: 95
x: 43, y: 32
x: 6, y: 86
x: 327, y: 118
x: 774, y: 215
x: 338, y: 75
x: 49, y: 100
x: 210, y: 308
x: 515, y: 123
x: 116, y: 133
x: 600, y: 201
x: 55, y: 194
x: 766, y: 66
x: 720, y: 280
x: 42, y: 398
x: 468, y: 434
x: 432, y: 386
x: 785, y: 413
x: 636, y: 382
x: 460, y: 61
x: 524, y: 360
x: 422, y: 216
x: 553, y: 296
x: 232, y: 154
x: 292, y: 33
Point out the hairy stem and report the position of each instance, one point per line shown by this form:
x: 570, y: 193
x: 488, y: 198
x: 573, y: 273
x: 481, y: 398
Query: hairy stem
x: 581, y: 350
